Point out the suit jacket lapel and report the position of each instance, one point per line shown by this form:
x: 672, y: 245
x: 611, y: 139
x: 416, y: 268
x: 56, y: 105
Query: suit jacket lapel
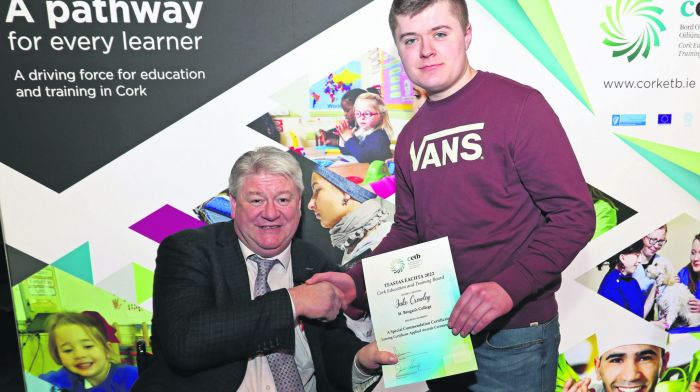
x: 233, y: 264
x: 303, y: 267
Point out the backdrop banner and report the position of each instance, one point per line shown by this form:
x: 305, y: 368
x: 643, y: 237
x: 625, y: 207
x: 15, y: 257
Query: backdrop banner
x: 122, y: 120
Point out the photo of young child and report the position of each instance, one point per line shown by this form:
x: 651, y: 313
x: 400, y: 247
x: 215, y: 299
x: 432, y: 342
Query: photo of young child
x: 80, y: 343
x: 619, y: 285
x: 370, y: 140
x: 331, y: 137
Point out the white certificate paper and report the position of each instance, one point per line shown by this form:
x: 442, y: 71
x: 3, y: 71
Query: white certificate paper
x: 411, y: 294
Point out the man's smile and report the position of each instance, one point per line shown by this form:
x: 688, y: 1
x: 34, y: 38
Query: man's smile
x: 629, y: 388
x: 269, y: 227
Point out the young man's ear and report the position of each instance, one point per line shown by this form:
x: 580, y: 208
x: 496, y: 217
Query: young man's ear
x: 468, y: 36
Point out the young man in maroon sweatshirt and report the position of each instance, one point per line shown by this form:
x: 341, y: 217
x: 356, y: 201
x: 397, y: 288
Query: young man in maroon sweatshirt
x: 487, y: 163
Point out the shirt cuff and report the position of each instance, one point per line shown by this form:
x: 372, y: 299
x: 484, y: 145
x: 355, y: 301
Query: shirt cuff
x: 294, y: 310
x: 359, y: 306
x: 361, y: 379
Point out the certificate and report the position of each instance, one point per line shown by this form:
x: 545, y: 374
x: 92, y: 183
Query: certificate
x: 411, y: 294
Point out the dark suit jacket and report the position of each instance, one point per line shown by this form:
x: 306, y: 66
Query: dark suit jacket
x: 206, y: 327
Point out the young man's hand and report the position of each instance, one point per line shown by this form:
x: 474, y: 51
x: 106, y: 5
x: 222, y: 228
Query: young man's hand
x: 477, y: 307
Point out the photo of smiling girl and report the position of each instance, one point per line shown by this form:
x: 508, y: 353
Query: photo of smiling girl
x: 80, y: 343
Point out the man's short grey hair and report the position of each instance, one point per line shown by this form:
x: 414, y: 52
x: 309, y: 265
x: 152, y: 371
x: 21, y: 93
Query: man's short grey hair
x: 264, y: 160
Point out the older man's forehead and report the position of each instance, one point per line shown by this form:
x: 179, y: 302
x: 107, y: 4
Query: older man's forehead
x: 266, y: 177
x: 266, y: 183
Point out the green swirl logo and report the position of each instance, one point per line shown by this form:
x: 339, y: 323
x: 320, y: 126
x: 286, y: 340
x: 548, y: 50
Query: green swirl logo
x: 644, y: 26
x: 396, y: 266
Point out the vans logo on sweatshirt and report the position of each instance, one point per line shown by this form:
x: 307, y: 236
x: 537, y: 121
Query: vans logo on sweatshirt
x: 447, y: 146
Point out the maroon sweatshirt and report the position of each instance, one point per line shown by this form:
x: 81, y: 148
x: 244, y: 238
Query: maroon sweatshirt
x: 491, y: 168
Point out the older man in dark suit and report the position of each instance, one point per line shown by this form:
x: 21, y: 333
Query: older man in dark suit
x: 230, y: 310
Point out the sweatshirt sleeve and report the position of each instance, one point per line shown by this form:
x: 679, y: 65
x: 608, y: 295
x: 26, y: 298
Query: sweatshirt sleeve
x: 547, y: 168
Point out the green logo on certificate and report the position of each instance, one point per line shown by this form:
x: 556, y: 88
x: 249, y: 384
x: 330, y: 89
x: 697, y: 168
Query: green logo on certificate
x: 396, y: 266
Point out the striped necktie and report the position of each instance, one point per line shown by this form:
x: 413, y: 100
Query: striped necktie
x: 284, y: 370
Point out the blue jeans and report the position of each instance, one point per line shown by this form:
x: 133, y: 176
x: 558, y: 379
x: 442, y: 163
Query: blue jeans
x: 519, y: 359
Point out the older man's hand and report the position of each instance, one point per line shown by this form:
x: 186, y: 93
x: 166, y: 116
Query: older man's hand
x: 316, y: 301
x: 342, y: 281
x: 371, y: 358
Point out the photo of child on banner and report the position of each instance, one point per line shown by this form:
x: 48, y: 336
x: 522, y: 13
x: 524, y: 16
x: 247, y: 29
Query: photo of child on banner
x: 78, y: 345
x: 81, y: 344
x: 331, y: 137
x: 653, y: 282
x: 351, y: 115
x: 619, y: 285
x: 370, y: 140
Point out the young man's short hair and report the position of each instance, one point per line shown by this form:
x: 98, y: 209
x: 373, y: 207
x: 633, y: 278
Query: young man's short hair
x: 415, y: 7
